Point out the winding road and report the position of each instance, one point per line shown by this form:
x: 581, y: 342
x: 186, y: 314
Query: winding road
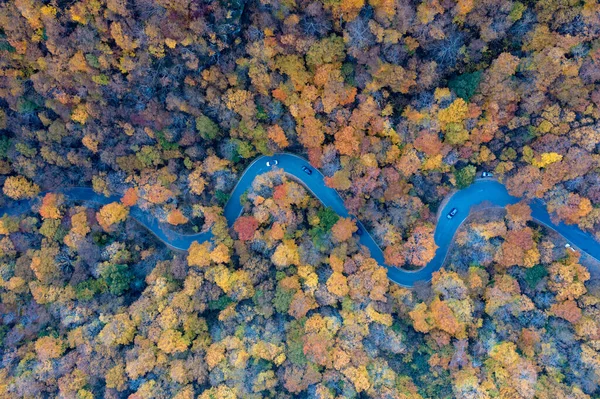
x: 481, y: 191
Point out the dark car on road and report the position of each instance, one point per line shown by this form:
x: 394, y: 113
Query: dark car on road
x: 452, y: 213
x: 359, y: 231
x: 307, y: 170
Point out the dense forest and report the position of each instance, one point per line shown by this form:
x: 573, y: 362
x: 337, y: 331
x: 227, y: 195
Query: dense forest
x: 399, y: 103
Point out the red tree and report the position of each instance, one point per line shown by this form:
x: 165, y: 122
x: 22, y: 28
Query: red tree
x: 245, y: 227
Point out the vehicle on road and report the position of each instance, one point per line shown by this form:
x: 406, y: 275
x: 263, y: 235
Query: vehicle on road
x: 272, y: 162
x: 482, y: 191
x: 307, y: 170
x: 452, y: 213
x: 358, y: 231
x: 487, y: 174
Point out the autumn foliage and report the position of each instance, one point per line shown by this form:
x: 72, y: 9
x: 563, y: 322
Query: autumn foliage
x: 50, y: 208
x: 245, y: 227
x: 130, y: 198
x: 343, y: 229
x: 111, y: 214
x: 18, y: 187
x: 199, y: 254
x: 163, y: 104
x: 176, y: 217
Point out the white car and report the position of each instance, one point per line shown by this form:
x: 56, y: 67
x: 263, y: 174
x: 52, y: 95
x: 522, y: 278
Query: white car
x: 487, y: 174
x: 452, y: 213
x: 272, y: 162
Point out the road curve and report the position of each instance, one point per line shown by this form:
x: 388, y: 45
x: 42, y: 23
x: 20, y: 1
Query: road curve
x: 482, y: 191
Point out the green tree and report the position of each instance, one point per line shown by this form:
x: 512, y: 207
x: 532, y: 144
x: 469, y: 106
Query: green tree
x: 533, y: 275
x: 283, y: 299
x: 4, y: 145
x: 465, y: 176
x: 465, y: 85
x: 327, y: 218
x: 207, y: 128
x: 118, y: 278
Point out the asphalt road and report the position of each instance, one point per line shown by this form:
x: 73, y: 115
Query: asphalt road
x: 483, y: 191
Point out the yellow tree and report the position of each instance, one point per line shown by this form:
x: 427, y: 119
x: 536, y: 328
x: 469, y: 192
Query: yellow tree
x: 50, y: 208
x: 518, y: 214
x: 286, y: 254
x: 199, y: 254
x: 44, y: 265
x: 220, y: 254
x: 119, y: 331
x: 567, y: 278
x: 196, y: 182
x: 49, y: 348
x: 347, y: 141
x: 393, y: 76
x: 18, y: 188
x: 111, y: 214
x: 277, y: 135
x: 115, y: 378
x: 337, y: 284
x: 515, y: 376
x: 420, y: 247
x: 79, y: 229
x: 172, y: 341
